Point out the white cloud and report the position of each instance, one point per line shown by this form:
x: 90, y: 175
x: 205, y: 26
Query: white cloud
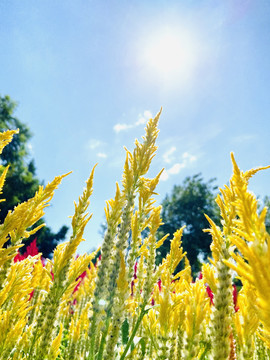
x: 96, y: 146
x: 187, y: 159
x: 176, y: 168
x: 147, y: 114
x: 30, y: 148
x: 93, y: 144
x: 167, y: 155
x: 244, y: 138
x: 120, y: 127
x: 142, y: 119
x: 102, y: 155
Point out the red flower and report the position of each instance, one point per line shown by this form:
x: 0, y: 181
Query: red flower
x: 81, y: 277
x: 31, y: 250
x: 135, y: 270
x: 236, y: 308
x: 210, y: 294
x: 19, y: 257
x: 132, y: 287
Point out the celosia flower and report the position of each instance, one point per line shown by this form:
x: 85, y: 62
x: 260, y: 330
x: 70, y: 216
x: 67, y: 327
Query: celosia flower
x: 236, y: 308
x: 210, y: 294
x: 31, y: 250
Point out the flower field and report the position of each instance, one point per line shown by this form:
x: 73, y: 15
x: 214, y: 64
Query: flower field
x: 121, y: 305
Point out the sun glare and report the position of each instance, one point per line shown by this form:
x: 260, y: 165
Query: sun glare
x: 172, y: 55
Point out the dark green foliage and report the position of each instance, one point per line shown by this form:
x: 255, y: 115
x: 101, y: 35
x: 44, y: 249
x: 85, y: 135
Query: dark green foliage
x: 187, y: 205
x: 125, y: 332
x: 21, y: 181
x: 266, y: 202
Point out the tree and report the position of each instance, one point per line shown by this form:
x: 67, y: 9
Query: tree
x: 21, y: 181
x: 187, y: 205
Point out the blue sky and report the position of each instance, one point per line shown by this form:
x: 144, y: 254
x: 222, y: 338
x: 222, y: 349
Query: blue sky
x: 87, y: 74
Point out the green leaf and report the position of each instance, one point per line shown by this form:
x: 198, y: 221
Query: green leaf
x: 125, y: 332
x: 143, y: 346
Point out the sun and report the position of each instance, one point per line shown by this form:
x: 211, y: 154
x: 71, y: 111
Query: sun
x: 170, y: 54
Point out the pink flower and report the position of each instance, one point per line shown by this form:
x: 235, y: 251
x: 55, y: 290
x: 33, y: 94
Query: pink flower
x: 210, y: 294
x: 31, y: 250
x: 236, y: 308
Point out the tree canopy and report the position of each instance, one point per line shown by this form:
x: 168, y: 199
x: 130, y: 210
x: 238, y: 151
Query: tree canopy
x: 21, y: 181
x: 186, y: 205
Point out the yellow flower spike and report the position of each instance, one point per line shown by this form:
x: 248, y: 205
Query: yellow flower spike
x: 37, y: 274
x: 197, y: 308
x: 248, y: 174
x: 155, y: 221
x: 23, y: 344
x: 141, y: 219
x: 154, y: 182
x: 26, y: 214
x: 246, y: 320
x: 89, y: 281
x: 6, y: 137
x: 63, y: 255
x: 227, y: 208
x: 168, y: 298
x: 150, y: 321
x: 164, y: 312
x: 83, y: 203
x: 245, y: 229
x: 217, y: 239
x: 113, y: 209
x: 18, y: 281
x: 75, y: 330
x: 10, y: 332
x: 7, y: 254
x: 14, y: 299
x: 176, y: 252
x: 187, y: 275
x: 117, y: 311
x: 84, y: 317
x: 141, y: 272
x: 79, y: 265
x: 122, y: 283
x: 55, y: 346
x: 246, y: 203
x: 137, y: 226
x: 144, y: 153
x: 150, y: 242
x: 143, y: 251
x: 242, y: 268
x: 146, y: 190
x: 131, y: 307
x: 77, y: 333
x: 209, y: 276
x: 128, y: 173
x: 160, y: 242
x: 2, y: 180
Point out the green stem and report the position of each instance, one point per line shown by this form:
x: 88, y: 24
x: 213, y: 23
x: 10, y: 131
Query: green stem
x: 103, y: 340
x: 138, y: 322
x: 206, y: 349
x: 92, y: 335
